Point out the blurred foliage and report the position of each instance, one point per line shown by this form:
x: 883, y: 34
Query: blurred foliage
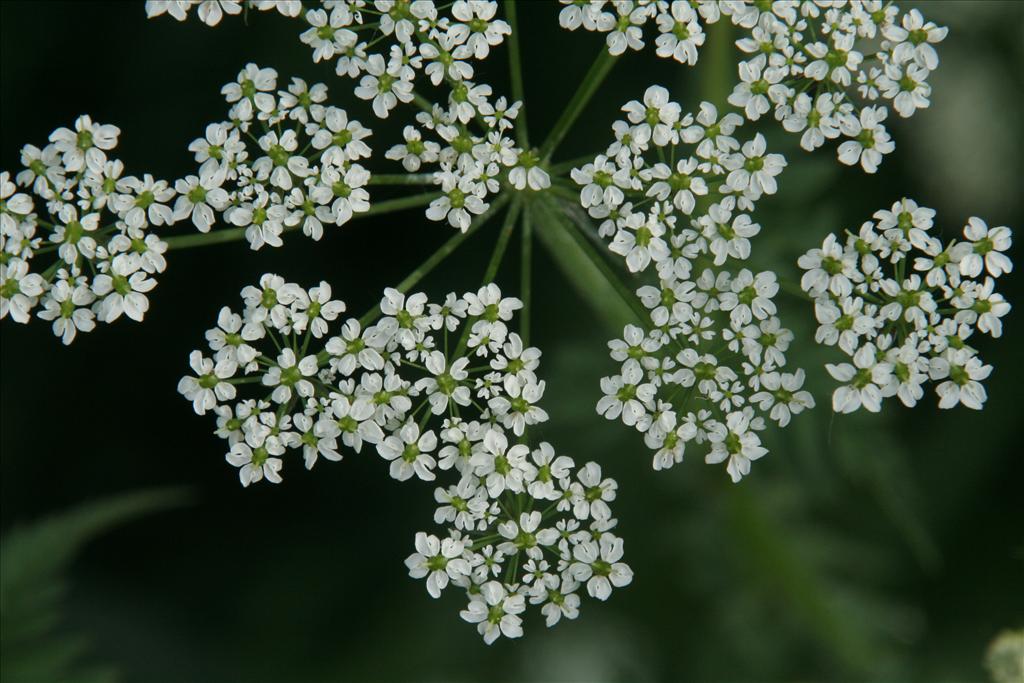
x: 1005, y: 657
x: 881, y: 548
x: 33, y: 562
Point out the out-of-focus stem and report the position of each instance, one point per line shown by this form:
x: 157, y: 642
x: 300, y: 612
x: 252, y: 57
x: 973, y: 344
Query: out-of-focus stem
x: 453, y: 242
x: 525, y: 277
x: 591, y: 82
x: 516, y: 68
x: 402, y: 179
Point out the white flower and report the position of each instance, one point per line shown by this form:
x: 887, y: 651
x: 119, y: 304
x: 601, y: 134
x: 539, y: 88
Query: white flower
x: 460, y: 201
x: 681, y: 33
x: 209, y: 386
x: 446, y: 384
x: 736, y: 442
x: 597, y: 563
x: 626, y: 395
x: 19, y: 290
x: 963, y: 374
x: 641, y: 240
x: 409, y: 453
x: 65, y: 304
x: 500, y: 467
x: 85, y: 144
x: 290, y: 373
x: 199, y: 197
x: 415, y: 152
x: 495, y: 612
x: 869, y: 381
x: 384, y: 87
x: 988, y: 247
x: 754, y: 171
x: 870, y: 142
x: 256, y: 459
x: 122, y: 290
x: 593, y: 493
x: 518, y: 408
x: 476, y: 27
x: 438, y: 560
x: 759, y: 85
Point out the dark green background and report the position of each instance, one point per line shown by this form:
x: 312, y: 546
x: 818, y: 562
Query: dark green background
x: 863, y: 548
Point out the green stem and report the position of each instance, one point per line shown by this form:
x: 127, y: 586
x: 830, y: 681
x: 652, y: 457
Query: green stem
x: 441, y: 254
x: 602, y: 65
x: 525, y: 275
x: 492, y: 267
x: 503, y: 237
x: 402, y: 179
x: 516, y: 67
x: 719, y: 69
x: 422, y: 102
x: 235, y: 234
x: 576, y: 226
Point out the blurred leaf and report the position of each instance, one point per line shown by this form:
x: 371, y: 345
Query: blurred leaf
x: 32, y: 563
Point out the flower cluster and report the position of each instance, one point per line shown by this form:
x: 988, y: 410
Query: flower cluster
x: 468, y: 139
x: 666, y: 168
x: 672, y: 192
x: 826, y: 69
x: 434, y: 388
x: 679, y: 23
x: 282, y: 161
x: 212, y: 11
x: 828, y: 72
x: 902, y: 305
x: 71, y: 205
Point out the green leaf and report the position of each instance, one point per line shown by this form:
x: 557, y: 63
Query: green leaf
x: 33, y: 560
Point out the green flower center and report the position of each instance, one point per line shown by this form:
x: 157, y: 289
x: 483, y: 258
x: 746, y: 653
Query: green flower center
x: 832, y: 265
x: 278, y: 154
x: 984, y: 246
x: 290, y: 376
x: 144, y: 199
x: 410, y: 453
x: 73, y: 232
x: 341, y: 189
x: 9, y: 289
x: 348, y: 424
x: 121, y: 285
x: 437, y: 563
x: 679, y: 181
x: 446, y: 384
x: 836, y: 58
x: 704, y: 371
x: 959, y: 375
x: 259, y: 456
x: 862, y: 378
